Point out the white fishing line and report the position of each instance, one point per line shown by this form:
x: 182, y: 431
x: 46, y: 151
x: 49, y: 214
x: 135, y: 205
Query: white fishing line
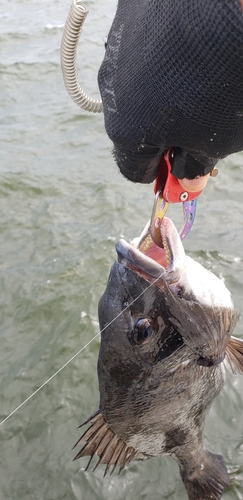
x: 77, y: 353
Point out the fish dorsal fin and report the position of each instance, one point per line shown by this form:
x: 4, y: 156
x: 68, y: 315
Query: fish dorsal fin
x: 234, y: 356
x: 101, y: 440
x: 205, y: 330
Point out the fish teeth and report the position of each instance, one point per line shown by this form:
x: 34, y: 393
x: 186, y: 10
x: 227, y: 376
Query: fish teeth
x: 167, y: 254
x: 145, y: 244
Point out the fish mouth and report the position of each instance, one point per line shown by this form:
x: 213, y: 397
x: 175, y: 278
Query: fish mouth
x: 150, y: 260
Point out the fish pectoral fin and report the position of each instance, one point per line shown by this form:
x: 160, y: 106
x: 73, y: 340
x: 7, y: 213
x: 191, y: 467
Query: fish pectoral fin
x: 101, y: 440
x: 206, y: 330
x: 234, y: 356
x: 208, y: 480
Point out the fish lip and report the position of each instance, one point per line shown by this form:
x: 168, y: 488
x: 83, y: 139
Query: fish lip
x: 130, y: 255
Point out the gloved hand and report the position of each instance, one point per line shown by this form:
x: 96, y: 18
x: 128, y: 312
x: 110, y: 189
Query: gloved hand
x: 172, y: 78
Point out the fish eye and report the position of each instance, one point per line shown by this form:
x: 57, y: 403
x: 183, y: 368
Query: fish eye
x: 142, y: 331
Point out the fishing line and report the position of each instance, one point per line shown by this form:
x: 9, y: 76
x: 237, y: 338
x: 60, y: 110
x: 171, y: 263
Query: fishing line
x: 77, y: 353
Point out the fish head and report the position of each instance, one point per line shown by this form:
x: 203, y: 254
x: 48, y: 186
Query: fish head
x: 134, y: 309
x: 134, y: 318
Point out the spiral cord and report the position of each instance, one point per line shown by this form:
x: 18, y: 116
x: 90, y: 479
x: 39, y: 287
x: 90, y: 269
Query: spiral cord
x: 71, y: 35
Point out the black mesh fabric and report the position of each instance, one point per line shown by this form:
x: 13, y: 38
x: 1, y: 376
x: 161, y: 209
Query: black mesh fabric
x: 172, y: 76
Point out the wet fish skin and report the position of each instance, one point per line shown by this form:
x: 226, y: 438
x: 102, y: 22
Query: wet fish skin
x: 160, y: 368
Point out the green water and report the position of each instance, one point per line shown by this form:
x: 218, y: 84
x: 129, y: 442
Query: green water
x: 63, y: 206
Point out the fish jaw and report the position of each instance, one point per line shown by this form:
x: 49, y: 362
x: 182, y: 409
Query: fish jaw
x: 182, y: 273
x: 153, y: 262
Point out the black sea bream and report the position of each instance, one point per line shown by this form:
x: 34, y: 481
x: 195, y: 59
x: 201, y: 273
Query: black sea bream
x: 161, y: 361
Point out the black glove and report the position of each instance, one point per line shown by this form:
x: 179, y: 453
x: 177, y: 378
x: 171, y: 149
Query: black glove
x: 172, y: 77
